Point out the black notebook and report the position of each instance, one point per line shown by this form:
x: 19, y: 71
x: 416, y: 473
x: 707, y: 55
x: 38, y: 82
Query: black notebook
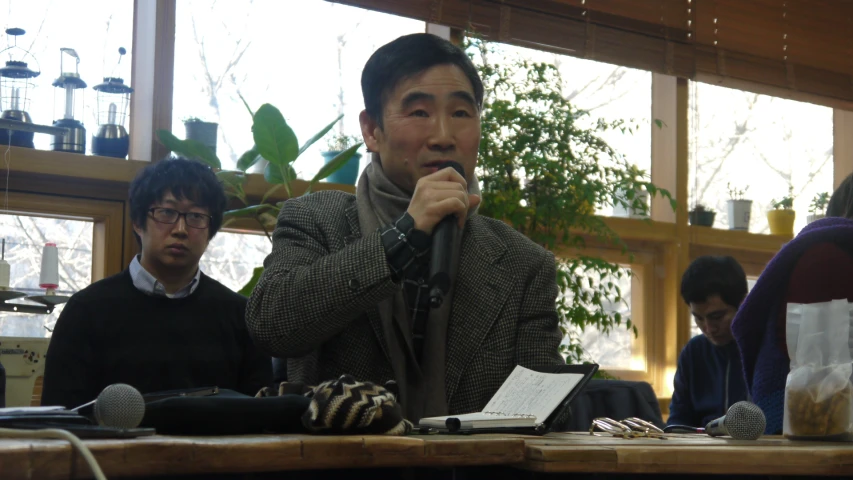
x: 528, y: 399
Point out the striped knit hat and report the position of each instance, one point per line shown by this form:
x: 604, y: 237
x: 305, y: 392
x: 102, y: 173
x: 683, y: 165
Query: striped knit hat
x: 346, y: 406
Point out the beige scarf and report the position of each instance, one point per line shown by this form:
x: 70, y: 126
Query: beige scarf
x: 422, y: 389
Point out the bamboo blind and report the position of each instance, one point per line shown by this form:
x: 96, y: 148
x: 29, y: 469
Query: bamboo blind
x: 801, y: 45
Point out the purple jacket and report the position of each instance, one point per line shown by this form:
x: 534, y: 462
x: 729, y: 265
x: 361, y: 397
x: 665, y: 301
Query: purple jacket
x: 765, y: 363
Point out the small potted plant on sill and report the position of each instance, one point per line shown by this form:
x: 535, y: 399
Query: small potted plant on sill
x: 702, y: 216
x: 817, y: 209
x: 202, y: 132
x: 739, y: 208
x: 348, y: 174
x: 781, y: 217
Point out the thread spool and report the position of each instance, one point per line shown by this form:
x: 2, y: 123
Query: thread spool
x: 5, y: 269
x: 49, y: 278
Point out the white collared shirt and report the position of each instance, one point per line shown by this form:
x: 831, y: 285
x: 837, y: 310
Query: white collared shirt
x: 147, y: 284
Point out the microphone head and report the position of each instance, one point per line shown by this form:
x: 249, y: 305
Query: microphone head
x: 454, y: 165
x: 745, y: 421
x: 119, y: 406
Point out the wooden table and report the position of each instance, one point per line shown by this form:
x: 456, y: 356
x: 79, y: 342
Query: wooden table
x: 556, y: 453
x: 53, y: 459
x: 580, y: 452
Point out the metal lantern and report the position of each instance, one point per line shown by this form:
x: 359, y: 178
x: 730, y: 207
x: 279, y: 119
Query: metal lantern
x: 113, y: 98
x: 70, y: 104
x: 16, y: 87
x: 111, y: 140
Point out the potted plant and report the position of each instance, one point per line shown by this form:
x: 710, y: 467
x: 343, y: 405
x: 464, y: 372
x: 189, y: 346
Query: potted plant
x: 702, y: 216
x: 202, y: 132
x: 817, y: 209
x: 740, y: 209
x: 276, y: 143
x: 348, y: 173
x: 781, y: 217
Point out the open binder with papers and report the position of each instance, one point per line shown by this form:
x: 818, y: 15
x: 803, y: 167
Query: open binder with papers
x: 528, y: 400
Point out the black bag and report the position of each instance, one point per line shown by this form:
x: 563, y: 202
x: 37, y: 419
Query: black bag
x: 340, y: 406
x: 616, y: 399
x: 225, y: 412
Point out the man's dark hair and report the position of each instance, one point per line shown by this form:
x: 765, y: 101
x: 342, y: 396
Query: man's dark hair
x: 407, y: 56
x: 186, y: 179
x: 714, y: 275
x: 841, y: 201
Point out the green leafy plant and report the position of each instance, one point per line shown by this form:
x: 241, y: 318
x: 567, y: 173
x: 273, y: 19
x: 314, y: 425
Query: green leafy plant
x: 736, y: 193
x: 544, y: 171
x: 339, y: 142
x: 785, y: 203
x: 276, y: 143
x: 193, y: 120
x: 702, y: 208
x: 819, y: 203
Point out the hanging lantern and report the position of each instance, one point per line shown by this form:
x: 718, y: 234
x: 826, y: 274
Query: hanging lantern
x: 16, y: 88
x: 113, y: 99
x: 69, y: 104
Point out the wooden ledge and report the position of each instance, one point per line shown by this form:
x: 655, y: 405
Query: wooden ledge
x: 736, y: 239
x: 87, y: 168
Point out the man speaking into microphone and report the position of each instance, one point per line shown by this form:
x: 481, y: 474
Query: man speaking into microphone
x: 347, y: 287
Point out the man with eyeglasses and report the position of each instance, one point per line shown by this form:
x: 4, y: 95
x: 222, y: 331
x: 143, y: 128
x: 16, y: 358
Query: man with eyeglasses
x: 161, y: 324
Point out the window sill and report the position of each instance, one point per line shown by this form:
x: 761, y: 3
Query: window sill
x: 45, y: 162
x: 109, y: 169
x: 740, y: 240
x: 639, y: 230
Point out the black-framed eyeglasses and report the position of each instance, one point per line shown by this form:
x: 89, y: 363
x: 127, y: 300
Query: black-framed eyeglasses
x: 171, y: 216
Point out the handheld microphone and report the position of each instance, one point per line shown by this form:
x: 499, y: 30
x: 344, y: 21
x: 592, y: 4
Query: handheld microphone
x: 444, y: 238
x: 117, y: 406
x: 743, y: 421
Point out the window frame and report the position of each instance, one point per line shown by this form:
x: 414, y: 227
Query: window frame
x: 107, y: 217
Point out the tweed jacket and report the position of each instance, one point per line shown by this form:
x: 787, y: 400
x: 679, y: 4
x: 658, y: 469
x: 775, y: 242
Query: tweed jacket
x: 316, y: 302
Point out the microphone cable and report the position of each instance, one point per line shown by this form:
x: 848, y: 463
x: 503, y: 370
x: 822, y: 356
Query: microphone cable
x: 682, y: 429
x: 58, y: 434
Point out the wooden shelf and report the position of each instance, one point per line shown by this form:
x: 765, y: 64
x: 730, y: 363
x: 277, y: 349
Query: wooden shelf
x: 737, y: 240
x: 641, y: 229
x: 632, y: 230
x: 73, y: 165
x: 91, y: 167
x: 640, y: 235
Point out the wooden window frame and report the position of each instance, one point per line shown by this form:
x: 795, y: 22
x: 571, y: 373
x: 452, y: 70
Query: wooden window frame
x: 152, y: 77
x: 642, y: 259
x: 107, y: 217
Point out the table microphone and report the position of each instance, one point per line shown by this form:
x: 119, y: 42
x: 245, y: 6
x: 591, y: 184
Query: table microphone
x: 444, y: 240
x: 743, y: 421
x: 117, y: 406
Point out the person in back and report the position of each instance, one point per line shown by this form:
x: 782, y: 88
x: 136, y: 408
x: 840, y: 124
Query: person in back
x: 161, y: 324
x: 814, y: 267
x: 709, y: 378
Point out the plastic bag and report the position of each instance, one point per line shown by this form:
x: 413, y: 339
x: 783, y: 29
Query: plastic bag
x: 818, y: 392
